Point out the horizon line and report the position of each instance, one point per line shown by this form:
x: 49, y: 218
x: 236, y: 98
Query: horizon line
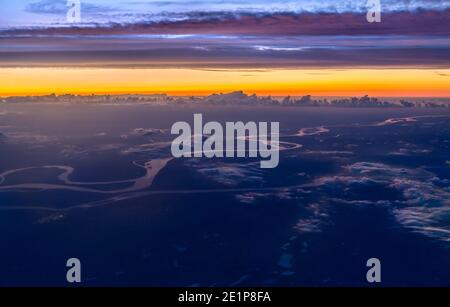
x: 207, y: 93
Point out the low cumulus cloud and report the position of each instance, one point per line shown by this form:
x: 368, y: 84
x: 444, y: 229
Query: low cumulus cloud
x: 424, y: 202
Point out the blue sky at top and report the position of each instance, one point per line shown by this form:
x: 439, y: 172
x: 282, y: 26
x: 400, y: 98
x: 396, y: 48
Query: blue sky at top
x: 21, y: 13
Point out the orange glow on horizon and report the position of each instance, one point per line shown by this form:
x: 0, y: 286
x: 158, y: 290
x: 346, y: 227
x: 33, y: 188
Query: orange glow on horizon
x: 185, y: 82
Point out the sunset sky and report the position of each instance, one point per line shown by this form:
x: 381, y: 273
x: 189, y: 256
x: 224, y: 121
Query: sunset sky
x: 317, y: 47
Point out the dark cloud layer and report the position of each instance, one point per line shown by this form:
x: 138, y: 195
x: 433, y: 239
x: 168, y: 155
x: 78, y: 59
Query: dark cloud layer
x: 232, y: 58
x: 400, y: 23
x: 224, y: 40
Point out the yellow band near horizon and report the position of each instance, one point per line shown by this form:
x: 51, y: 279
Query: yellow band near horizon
x: 387, y: 82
